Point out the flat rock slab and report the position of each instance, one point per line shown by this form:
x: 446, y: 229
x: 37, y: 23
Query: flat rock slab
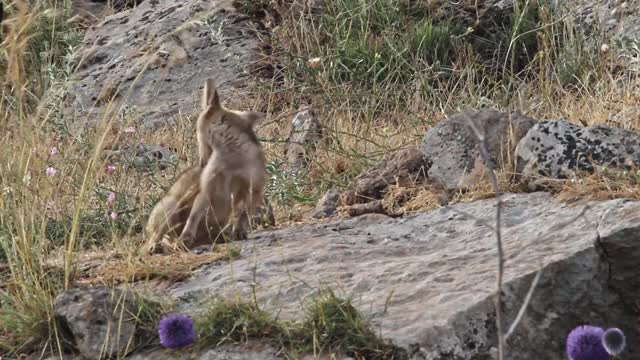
x: 152, y: 60
x: 437, y: 271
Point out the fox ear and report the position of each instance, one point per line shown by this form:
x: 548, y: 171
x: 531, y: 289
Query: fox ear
x: 210, y: 97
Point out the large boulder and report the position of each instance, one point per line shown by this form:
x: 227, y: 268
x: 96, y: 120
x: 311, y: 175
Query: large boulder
x: 152, y: 60
x: 558, y: 148
x: 100, y: 321
x: 427, y: 281
x: 453, y: 150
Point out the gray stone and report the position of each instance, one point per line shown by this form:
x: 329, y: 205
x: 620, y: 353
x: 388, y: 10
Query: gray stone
x: 559, y: 148
x: 144, y: 156
x: 452, y: 145
x: 404, y: 167
x: 151, y: 60
x: 327, y: 205
x: 101, y: 320
x: 305, y: 134
x: 427, y: 281
x: 86, y: 12
x: 224, y: 352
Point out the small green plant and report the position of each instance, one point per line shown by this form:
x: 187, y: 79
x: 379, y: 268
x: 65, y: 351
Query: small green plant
x: 286, y: 186
x: 333, y: 323
x: 234, y: 321
x: 148, y: 313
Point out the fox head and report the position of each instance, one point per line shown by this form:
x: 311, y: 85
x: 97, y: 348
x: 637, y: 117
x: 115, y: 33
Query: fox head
x: 214, y: 113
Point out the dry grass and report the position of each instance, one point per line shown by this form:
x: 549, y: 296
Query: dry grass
x: 114, y: 270
x: 56, y: 219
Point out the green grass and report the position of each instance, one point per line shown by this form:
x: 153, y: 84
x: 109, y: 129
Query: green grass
x: 234, y: 321
x: 331, y: 324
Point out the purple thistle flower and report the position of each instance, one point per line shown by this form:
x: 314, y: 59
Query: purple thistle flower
x: 176, y: 331
x: 614, y: 341
x: 585, y: 343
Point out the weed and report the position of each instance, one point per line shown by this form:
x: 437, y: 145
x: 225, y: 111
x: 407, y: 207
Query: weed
x: 234, y: 321
x: 331, y: 324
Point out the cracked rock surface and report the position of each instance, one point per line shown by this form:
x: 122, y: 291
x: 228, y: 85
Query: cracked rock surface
x: 438, y: 270
x: 153, y: 60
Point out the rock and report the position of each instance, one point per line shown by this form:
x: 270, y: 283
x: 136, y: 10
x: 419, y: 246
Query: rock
x: 372, y: 207
x: 452, y: 146
x: 152, y: 60
x: 224, y: 352
x: 404, y: 167
x: 327, y: 205
x: 101, y: 320
x: 145, y: 156
x: 427, y: 281
x: 86, y: 12
x: 558, y: 148
x: 303, y: 137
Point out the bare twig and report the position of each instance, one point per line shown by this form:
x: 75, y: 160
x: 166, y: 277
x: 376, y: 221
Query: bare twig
x: 535, y: 281
x: 521, y: 312
x: 502, y: 337
x: 484, y: 152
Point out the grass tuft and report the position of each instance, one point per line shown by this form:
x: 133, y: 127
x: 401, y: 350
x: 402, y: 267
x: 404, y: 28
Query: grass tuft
x: 331, y: 325
x: 234, y: 321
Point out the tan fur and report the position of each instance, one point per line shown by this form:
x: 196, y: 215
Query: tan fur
x: 171, y: 212
x: 168, y: 218
x: 233, y: 166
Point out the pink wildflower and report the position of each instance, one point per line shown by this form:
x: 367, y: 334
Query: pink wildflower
x: 111, y: 198
x: 110, y: 169
x: 53, y: 151
x: 130, y: 130
x: 51, y: 171
x: 114, y: 216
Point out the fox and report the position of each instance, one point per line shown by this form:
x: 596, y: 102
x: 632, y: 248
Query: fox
x: 170, y: 215
x: 233, y: 167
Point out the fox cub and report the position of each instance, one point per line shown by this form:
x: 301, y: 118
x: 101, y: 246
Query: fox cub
x: 229, y: 178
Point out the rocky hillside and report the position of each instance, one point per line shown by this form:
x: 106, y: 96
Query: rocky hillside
x: 415, y: 148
